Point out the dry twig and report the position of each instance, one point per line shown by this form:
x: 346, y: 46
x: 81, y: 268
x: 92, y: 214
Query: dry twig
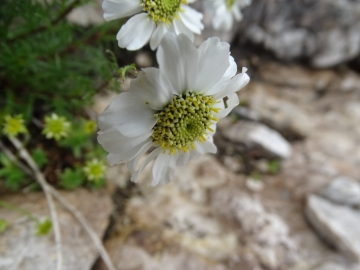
x: 49, y: 190
x: 24, y: 154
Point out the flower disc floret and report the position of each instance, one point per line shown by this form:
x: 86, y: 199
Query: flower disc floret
x: 162, y: 10
x: 187, y: 119
x: 229, y: 4
x: 14, y: 125
x: 94, y: 170
x: 56, y: 127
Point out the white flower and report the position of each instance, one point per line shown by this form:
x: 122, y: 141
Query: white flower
x: 172, y: 109
x: 155, y: 19
x: 225, y: 11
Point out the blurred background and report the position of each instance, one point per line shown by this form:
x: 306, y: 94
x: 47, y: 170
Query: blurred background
x: 282, y: 193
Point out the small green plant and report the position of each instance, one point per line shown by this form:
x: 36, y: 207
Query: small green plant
x: 12, y: 175
x: 3, y: 225
x: 274, y: 166
x: 50, y: 70
x: 42, y: 227
x: 256, y: 176
x: 71, y: 178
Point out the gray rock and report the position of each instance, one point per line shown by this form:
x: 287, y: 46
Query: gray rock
x: 325, y: 32
x: 337, y: 225
x: 258, y: 136
x: 21, y: 249
x: 338, y: 266
x: 281, y: 115
x: 265, y: 234
x: 343, y: 190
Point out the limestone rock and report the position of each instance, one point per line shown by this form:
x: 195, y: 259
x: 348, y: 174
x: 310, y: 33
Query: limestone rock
x: 21, y: 249
x: 338, y: 225
x: 343, y: 190
x: 325, y: 32
x: 283, y: 116
x: 260, y: 137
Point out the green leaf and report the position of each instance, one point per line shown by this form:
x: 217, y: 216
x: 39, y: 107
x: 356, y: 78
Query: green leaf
x: 78, y: 139
x: 40, y: 157
x: 124, y: 71
x: 274, y: 166
x: 3, y: 225
x: 43, y: 228
x: 98, y: 183
x: 71, y: 179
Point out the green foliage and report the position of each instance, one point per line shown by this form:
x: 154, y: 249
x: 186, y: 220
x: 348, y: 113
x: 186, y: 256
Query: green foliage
x: 3, y: 225
x: 274, y: 166
x: 12, y: 175
x: 127, y: 70
x: 54, y: 65
x: 97, y: 184
x: 79, y: 138
x: 49, y: 66
x: 39, y: 157
x: 43, y: 228
x: 256, y: 176
x: 71, y: 179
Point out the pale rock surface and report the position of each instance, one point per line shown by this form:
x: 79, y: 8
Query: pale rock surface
x: 202, y: 220
x: 285, y: 117
x: 343, y: 190
x: 324, y: 32
x: 258, y: 136
x: 338, y: 225
x: 21, y: 249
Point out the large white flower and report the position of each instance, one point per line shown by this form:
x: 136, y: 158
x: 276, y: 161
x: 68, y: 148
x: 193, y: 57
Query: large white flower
x: 225, y: 11
x: 172, y: 109
x: 155, y: 19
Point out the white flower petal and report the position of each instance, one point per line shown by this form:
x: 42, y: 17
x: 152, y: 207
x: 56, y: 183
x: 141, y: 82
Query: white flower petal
x: 182, y: 158
x: 237, y: 13
x: 190, y: 59
x: 148, y: 159
x: 132, y: 164
x: 153, y: 88
x: 225, y: 79
x: 158, y: 35
x: 178, y: 57
x: 205, y: 147
x: 191, y: 19
x: 164, y: 169
x: 213, y: 63
x: 127, y: 112
x: 232, y: 101
x: 180, y: 28
x: 122, y: 157
x: 116, y: 9
x: 114, y: 142
x: 235, y: 84
x: 222, y: 19
x: 136, y: 32
x: 170, y: 62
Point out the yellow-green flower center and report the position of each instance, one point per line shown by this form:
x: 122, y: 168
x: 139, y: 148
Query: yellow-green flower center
x: 185, y: 120
x: 229, y: 4
x: 14, y: 125
x: 56, y: 127
x: 94, y: 170
x: 162, y: 10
